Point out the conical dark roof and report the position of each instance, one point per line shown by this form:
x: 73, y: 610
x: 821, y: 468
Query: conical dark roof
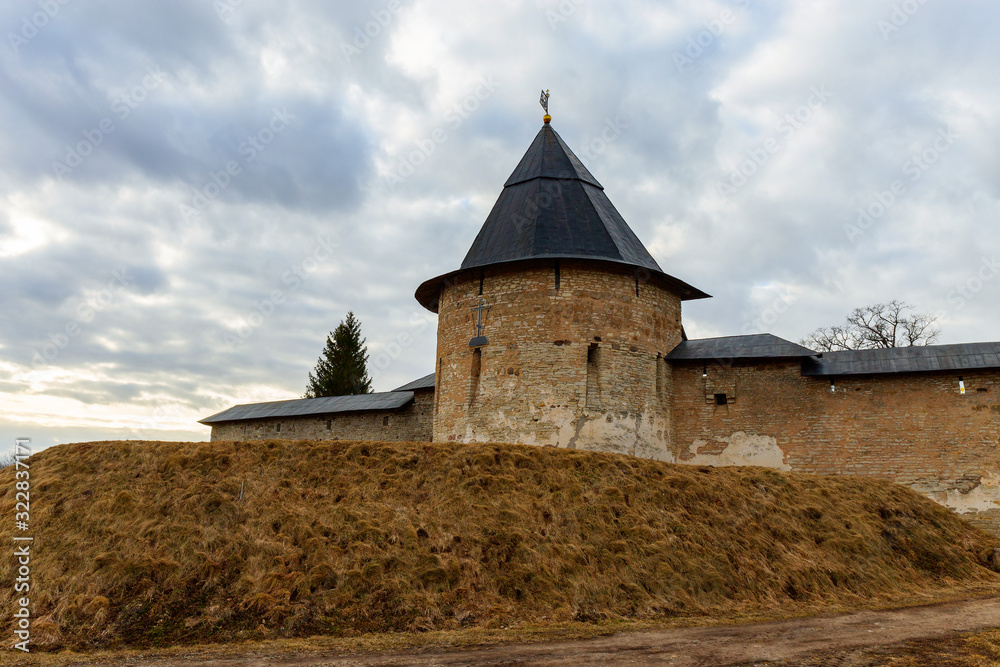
x: 550, y: 157
x: 553, y: 207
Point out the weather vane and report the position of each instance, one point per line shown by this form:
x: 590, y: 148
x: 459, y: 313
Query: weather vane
x: 544, y: 101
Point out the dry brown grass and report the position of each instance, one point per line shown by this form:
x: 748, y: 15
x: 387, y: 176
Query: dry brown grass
x: 147, y: 543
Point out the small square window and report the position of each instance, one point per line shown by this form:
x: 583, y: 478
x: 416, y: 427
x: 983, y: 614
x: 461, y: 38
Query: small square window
x: 721, y: 399
x: 385, y: 420
x: 329, y: 424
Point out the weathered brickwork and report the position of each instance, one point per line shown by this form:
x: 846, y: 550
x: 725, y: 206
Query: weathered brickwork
x: 408, y: 424
x: 577, y: 366
x: 915, y: 429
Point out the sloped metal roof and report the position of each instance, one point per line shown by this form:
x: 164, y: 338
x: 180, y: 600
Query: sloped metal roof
x: 755, y: 346
x: 426, y: 382
x: 555, y: 218
x: 390, y: 400
x: 915, y: 359
x: 550, y: 157
x: 552, y: 207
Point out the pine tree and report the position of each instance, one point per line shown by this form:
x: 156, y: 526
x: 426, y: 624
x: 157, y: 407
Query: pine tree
x: 343, y: 367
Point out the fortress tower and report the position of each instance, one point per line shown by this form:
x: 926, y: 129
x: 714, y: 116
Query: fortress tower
x: 560, y: 329
x: 555, y: 328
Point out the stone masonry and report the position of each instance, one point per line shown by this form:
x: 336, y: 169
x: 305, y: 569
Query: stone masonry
x: 408, y: 424
x: 577, y: 366
x: 917, y: 429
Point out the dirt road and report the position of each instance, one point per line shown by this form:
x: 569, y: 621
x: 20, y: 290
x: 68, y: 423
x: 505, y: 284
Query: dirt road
x: 819, y: 640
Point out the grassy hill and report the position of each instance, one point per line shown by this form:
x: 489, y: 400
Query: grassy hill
x: 148, y: 543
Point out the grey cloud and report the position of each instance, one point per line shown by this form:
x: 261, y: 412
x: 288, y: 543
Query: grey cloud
x: 164, y: 339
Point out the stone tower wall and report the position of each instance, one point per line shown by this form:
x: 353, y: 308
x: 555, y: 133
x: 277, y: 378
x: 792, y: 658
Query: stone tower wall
x: 577, y: 366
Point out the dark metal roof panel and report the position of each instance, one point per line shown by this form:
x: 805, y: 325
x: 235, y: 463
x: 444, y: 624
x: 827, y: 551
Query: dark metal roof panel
x: 426, y: 382
x: 550, y: 157
x: 552, y: 206
x: 755, y: 346
x: 628, y: 244
x: 391, y: 400
x: 548, y: 218
x: 916, y: 359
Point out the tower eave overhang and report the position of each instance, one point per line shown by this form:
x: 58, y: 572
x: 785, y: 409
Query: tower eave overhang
x: 429, y: 292
x: 552, y: 208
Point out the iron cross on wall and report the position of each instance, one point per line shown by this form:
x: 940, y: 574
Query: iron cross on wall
x: 479, y: 339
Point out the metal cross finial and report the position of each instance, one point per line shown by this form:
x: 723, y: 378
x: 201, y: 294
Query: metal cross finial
x: 479, y: 310
x: 544, y: 100
x: 480, y: 339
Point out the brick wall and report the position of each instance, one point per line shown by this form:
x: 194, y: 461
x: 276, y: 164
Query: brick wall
x: 409, y: 423
x: 915, y: 429
x: 575, y: 366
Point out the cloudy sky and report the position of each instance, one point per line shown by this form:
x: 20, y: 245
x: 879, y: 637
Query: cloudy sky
x: 193, y: 193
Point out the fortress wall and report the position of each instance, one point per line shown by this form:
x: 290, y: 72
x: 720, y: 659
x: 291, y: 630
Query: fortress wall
x: 410, y: 423
x: 915, y: 429
x: 578, y: 366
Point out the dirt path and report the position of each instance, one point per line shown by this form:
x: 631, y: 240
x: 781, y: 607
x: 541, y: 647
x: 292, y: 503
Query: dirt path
x: 819, y: 640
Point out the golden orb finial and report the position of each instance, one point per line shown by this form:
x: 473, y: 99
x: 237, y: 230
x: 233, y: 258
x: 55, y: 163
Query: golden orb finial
x: 546, y: 119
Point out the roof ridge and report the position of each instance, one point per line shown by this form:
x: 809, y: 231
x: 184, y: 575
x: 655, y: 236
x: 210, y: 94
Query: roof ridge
x: 745, y: 346
x: 955, y: 348
x: 740, y: 336
x: 383, y: 400
x: 952, y: 357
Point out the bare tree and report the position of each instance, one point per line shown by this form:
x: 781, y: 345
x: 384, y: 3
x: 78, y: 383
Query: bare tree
x: 7, y: 460
x: 877, y: 326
